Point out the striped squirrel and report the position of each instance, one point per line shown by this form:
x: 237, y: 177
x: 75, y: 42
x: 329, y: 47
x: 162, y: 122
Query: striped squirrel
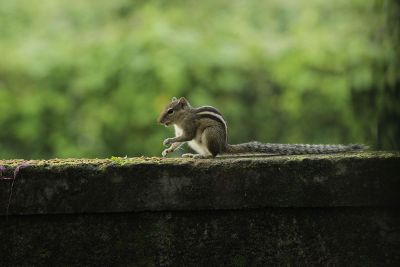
x: 205, y: 130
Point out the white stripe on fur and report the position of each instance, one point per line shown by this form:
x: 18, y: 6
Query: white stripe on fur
x: 215, y: 115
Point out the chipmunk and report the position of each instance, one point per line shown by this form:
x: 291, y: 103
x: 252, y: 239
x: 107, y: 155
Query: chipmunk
x: 205, y: 130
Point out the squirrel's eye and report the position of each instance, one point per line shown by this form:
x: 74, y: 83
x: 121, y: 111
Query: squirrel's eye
x: 170, y: 111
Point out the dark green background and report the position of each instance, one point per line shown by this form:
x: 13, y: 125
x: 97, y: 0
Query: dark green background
x: 88, y: 78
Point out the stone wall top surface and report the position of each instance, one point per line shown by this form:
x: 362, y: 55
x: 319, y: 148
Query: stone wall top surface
x: 136, y: 184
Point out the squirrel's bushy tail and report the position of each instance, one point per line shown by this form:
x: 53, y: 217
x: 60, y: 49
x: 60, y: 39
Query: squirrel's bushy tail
x: 291, y: 149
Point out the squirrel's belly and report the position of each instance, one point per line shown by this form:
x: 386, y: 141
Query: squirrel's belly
x: 196, y: 146
x: 199, y: 148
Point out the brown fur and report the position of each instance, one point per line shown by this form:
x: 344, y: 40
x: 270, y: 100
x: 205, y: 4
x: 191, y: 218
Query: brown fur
x: 206, y: 127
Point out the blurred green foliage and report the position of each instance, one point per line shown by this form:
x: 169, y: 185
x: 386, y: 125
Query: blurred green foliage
x: 82, y: 78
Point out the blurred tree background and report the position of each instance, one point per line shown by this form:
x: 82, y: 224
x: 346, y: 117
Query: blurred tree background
x: 87, y: 78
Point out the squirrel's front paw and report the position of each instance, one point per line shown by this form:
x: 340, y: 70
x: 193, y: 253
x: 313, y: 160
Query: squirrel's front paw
x: 168, y: 141
x: 166, y: 152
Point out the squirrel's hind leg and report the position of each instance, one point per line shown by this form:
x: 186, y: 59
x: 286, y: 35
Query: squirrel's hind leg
x: 188, y: 155
x: 214, y: 139
x: 196, y: 156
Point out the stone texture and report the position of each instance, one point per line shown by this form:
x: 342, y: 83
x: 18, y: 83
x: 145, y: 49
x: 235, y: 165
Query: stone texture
x: 335, y: 210
x: 139, y: 184
x: 251, y: 237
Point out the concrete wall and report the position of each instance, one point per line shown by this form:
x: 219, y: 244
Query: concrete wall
x: 244, y: 211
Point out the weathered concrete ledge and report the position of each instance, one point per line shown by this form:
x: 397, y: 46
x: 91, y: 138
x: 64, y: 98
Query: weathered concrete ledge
x: 368, y: 179
x: 330, y: 210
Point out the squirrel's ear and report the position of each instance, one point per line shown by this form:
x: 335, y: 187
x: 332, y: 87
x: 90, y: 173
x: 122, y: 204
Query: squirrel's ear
x: 184, y: 102
x: 174, y: 99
